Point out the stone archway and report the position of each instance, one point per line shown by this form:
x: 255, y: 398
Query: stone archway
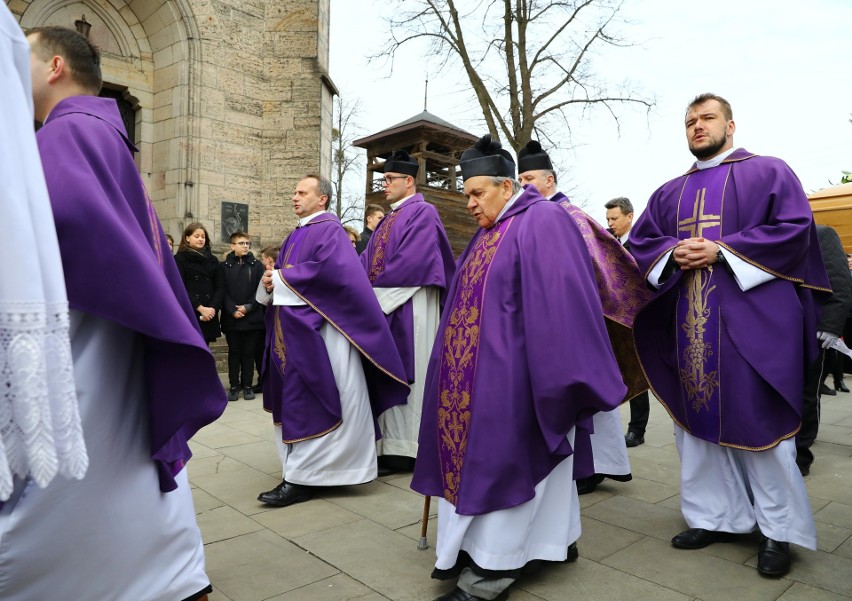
x: 149, y: 59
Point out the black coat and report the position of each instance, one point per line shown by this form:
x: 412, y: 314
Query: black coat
x: 836, y: 308
x: 205, y: 285
x: 242, y: 276
x: 361, y: 245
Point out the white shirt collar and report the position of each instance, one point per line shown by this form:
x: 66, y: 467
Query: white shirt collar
x: 624, y: 238
x: 716, y: 160
x: 508, y: 204
x: 306, y: 220
x: 395, y: 205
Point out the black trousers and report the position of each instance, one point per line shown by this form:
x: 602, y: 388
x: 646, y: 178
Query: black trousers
x: 241, y: 350
x: 810, y: 412
x: 640, y: 411
x: 833, y: 365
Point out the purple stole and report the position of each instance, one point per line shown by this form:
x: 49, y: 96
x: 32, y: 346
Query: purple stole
x: 378, y: 244
x: 620, y: 285
x: 290, y: 248
x: 277, y: 346
x: 458, y: 362
x: 699, y: 336
x: 299, y: 420
x: 621, y: 289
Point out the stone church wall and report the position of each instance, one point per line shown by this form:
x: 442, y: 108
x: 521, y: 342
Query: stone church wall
x: 232, y: 100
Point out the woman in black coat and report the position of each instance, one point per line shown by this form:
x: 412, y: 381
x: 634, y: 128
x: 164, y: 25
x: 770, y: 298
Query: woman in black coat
x: 203, y: 278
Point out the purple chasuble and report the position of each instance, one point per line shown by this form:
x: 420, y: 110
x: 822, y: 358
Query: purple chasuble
x: 621, y: 288
x: 409, y: 249
x: 729, y: 365
x: 318, y: 263
x: 118, y: 267
x: 521, y: 356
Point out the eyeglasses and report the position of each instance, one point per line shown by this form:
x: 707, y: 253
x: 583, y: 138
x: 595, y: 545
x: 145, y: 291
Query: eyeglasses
x: 389, y: 178
x: 244, y: 243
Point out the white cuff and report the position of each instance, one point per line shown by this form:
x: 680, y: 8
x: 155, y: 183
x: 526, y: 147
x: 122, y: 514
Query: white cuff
x: 747, y: 275
x: 657, y: 271
x: 282, y: 295
x: 391, y: 299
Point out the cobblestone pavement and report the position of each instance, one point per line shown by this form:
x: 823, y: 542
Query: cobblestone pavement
x: 360, y: 542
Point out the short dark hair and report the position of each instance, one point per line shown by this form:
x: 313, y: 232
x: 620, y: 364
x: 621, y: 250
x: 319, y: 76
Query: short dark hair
x: 372, y: 210
x: 187, y: 231
x: 237, y: 235
x: 622, y: 203
x: 83, y: 57
x: 702, y: 98
x: 271, y: 252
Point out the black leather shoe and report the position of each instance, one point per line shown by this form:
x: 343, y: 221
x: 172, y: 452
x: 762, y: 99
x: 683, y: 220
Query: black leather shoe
x: 234, y: 394
x: 698, y: 538
x: 458, y: 595
x: 841, y: 386
x: 631, y: 439
x: 587, y: 485
x: 573, y: 553
x: 385, y: 468
x: 286, y: 494
x: 823, y: 389
x: 248, y: 393
x: 257, y: 388
x: 773, y: 558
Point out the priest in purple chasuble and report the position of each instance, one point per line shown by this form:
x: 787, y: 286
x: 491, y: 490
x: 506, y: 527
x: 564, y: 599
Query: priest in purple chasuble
x: 732, y: 250
x: 410, y: 264
x: 145, y: 379
x: 522, y: 356
x: 330, y: 365
x: 623, y: 292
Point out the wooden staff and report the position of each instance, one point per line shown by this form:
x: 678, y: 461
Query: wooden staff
x: 423, y: 543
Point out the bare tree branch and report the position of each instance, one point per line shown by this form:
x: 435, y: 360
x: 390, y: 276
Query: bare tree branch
x: 345, y: 159
x: 529, y: 62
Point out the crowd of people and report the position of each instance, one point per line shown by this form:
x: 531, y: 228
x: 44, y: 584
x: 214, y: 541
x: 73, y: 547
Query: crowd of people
x: 494, y: 378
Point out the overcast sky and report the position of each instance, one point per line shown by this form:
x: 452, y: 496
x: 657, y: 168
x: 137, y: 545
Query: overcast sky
x: 785, y: 66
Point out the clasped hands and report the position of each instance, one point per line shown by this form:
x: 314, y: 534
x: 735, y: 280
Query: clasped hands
x: 266, y: 280
x: 695, y: 253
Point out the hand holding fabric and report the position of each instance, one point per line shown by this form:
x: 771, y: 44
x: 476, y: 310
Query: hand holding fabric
x: 827, y: 339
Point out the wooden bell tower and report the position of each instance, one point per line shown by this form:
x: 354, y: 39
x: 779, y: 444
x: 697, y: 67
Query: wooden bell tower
x: 437, y: 146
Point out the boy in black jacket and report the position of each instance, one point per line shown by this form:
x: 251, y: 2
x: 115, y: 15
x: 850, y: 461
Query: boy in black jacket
x: 242, y: 318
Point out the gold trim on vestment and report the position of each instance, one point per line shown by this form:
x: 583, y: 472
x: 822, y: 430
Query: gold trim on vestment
x: 345, y: 335
x: 279, y: 347
x: 767, y: 269
x: 698, y: 385
x: 320, y: 435
x: 460, y: 353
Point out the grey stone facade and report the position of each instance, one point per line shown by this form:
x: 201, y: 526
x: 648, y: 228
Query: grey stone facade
x: 232, y: 99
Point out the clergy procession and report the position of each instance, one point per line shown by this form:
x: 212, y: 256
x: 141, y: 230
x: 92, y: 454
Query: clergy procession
x: 492, y: 381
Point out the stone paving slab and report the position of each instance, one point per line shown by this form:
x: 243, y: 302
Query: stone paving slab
x: 334, y: 588
x: 586, y: 579
x: 384, y: 560
x: 261, y: 565
x: 694, y: 573
x: 360, y: 542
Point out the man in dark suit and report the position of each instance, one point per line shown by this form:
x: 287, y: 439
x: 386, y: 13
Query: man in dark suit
x: 619, y: 219
x: 830, y: 328
x: 372, y: 215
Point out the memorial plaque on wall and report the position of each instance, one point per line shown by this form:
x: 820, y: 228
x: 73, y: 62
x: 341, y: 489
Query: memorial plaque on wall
x: 234, y: 219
